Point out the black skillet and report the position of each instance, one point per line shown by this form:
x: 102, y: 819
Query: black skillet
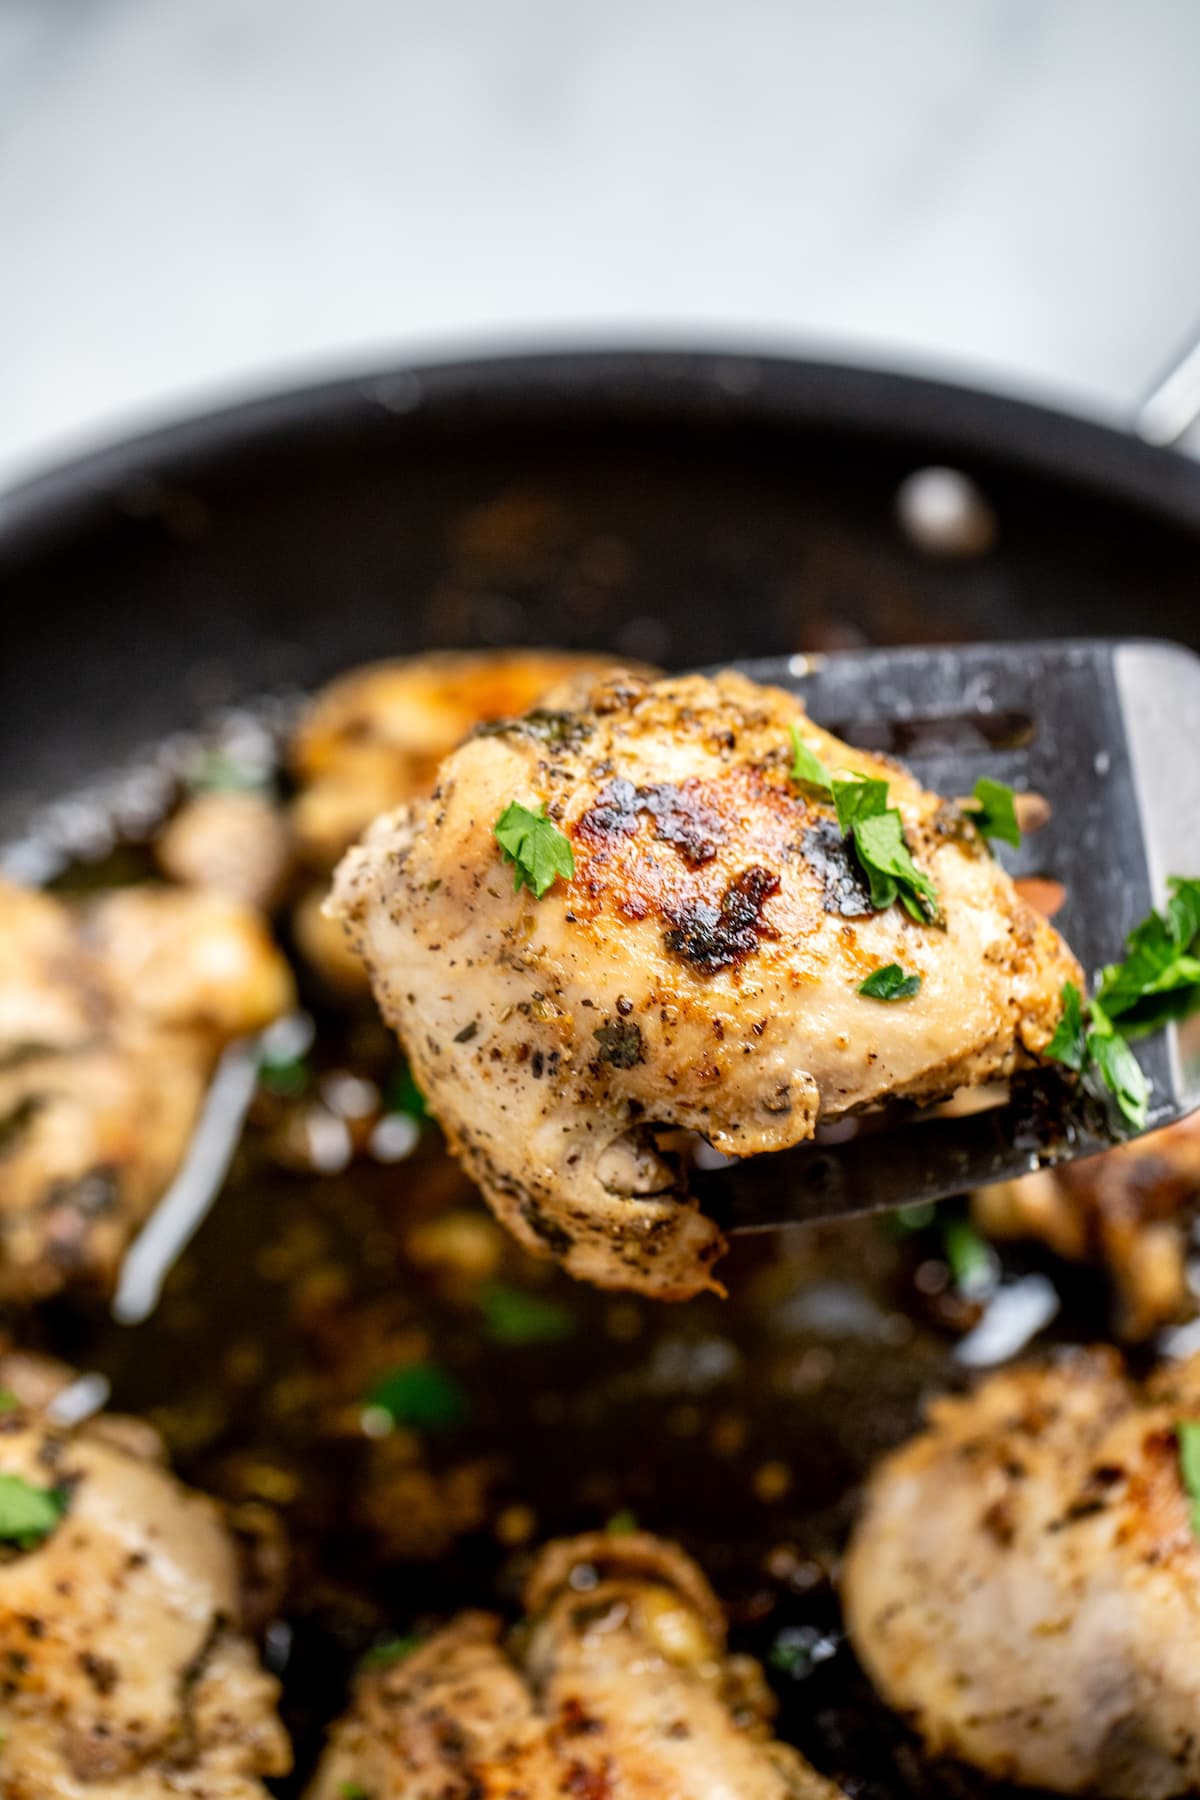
x: 681, y: 508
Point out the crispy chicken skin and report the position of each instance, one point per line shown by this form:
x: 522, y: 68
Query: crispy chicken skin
x: 112, y: 1016
x: 373, y: 738
x: 618, y: 1683
x: 1024, y: 1583
x: 126, y: 1676
x: 700, y: 970
x: 1127, y: 1210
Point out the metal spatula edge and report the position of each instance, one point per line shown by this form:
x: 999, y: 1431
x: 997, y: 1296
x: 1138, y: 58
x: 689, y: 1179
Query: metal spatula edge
x: 1109, y: 731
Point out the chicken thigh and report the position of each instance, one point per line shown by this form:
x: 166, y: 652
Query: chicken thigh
x: 618, y: 1683
x: 696, y: 964
x: 112, y: 1016
x: 126, y: 1674
x: 1024, y: 1583
x: 1127, y: 1210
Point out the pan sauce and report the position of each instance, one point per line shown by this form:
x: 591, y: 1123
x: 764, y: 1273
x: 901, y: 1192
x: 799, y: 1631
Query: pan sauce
x: 350, y: 1343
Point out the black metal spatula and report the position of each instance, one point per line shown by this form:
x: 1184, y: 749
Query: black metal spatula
x: 1109, y: 733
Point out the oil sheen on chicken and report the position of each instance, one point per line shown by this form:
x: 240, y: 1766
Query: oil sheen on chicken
x: 112, y: 1016
x: 126, y: 1674
x: 1024, y: 1584
x: 700, y: 969
x: 617, y: 1683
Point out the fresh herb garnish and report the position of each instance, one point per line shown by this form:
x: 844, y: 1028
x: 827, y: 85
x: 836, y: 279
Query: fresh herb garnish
x: 403, y: 1094
x: 622, y: 1522
x: 971, y: 1262
x: 995, y: 815
x: 537, y: 849
x: 511, y: 1316
x: 807, y: 769
x: 391, y: 1651
x: 877, y: 832
x: 352, y: 1790
x: 1187, y: 1437
x: 421, y: 1396
x: 890, y: 983
x: 8, y: 1401
x: 1101, y: 1055
x: 28, y: 1513
x: 217, y: 771
x: 1159, y: 980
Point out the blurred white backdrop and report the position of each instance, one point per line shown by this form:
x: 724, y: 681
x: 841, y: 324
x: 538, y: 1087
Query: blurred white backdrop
x: 202, y: 198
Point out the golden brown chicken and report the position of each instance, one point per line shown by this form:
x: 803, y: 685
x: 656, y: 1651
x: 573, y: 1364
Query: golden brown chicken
x: 126, y: 1673
x: 1127, y: 1211
x: 618, y: 1683
x: 697, y: 965
x: 1024, y: 1584
x: 112, y: 1016
x: 373, y: 739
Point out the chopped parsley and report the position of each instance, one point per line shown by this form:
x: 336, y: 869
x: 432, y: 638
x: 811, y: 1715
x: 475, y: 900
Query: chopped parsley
x: 352, y: 1790
x: 1159, y: 980
x: 391, y: 1651
x: 971, y: 1263
x: 403, y: 1094
x: 877, y: 832
x: 995, y: 814
x: 622, y: 1522
x: 1187, y: 1437
x: 1099, y: 1053
x: 537, y: 849
x: 28, y: 1513
x: 512, y: 1316
x: 807, y: 769
x: 890, y: 983
x: 1156, y: 984
x: 8, y: 1401
x: 421, y: 1396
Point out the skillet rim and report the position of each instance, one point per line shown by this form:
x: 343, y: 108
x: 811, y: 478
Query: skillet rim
x: 730, y: 387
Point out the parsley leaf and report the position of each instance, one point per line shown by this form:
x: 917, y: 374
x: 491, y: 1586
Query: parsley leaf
x: 890, y: 983
x: 422, y: 1396
x: 352, y: 1790
x: 1069, y: 1043
x: 28, y: 1513
x: 972, y: 1263
x: 512, y: 1316
x: 1187, y: 1438
x: 391, y: 1651
x: 1159, y: 979
x: 807, y: 769
x: 877, y: 831
x: 1101, y: 1054
x: 538, y: 849
x: 622, y: 1522
x: 996, y: 814
x: 1117, y: 1071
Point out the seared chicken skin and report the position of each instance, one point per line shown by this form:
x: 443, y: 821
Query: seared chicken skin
x: 126, y: 1676
x: 112, y: 1016
x: 1127, y: 1210
x: 617, y: 1684
x: 700, y: 969
x: 1024, y: 1584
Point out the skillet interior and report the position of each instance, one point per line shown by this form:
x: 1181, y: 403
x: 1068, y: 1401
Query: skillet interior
x: 683, y: 510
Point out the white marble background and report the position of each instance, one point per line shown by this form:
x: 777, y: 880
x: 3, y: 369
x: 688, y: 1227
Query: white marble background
x: 200, y: 198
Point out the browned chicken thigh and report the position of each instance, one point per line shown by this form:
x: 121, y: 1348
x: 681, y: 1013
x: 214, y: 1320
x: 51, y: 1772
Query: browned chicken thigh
x: 126, y: 1673
x: 617, y: 1684
x: 1024, y: 1584
x: 112, y: 1016
x: 696, y: 964
x: 1127, y: 1211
